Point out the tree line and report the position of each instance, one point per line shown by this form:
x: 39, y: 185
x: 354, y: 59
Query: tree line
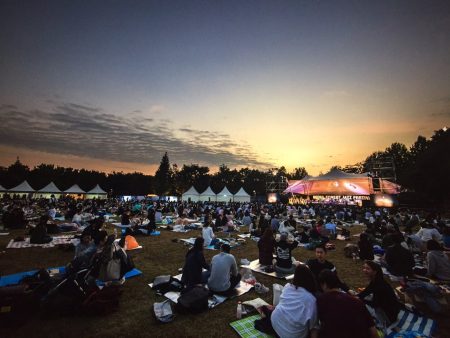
x: 423, y: 168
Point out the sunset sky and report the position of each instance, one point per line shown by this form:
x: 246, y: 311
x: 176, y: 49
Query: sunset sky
x: 112, y: 85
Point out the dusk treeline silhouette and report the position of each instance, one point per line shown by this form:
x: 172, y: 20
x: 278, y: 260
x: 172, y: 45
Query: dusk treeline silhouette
x: 423, y: 168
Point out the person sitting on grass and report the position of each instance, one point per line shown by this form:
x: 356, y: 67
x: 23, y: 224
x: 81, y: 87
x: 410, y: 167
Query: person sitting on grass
x: 224, y: 274
x: 437, y: 261
x: 384, y: 300
x: 194, y: 265
x: 400, y: 261
x: 266, y: 246
x: 38, y: 235
x: 84, y: 251
x: 208, y: 234
x: 296, y: 313
x: 365, y: 248
x: 318, y: 264
x: 341, y: 315
x: 283, y: 251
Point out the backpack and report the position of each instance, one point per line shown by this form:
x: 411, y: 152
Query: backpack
x: 166, y: 283
x: 350, y: 250
x: 193, y: 300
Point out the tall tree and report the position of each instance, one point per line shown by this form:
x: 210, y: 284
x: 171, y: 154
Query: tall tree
x: 163, y: 177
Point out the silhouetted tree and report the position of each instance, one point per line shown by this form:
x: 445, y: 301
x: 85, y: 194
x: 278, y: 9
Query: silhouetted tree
x: 163, y: 177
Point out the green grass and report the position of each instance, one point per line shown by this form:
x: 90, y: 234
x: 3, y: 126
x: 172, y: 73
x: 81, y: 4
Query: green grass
x: 134, y: 318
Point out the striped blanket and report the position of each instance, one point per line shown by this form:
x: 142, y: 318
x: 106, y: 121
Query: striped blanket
x: 408, y: 321
x: 26, y: 243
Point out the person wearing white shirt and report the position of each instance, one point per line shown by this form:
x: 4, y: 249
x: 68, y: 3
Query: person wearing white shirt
x: 208, y: 235
x: 296, y: 313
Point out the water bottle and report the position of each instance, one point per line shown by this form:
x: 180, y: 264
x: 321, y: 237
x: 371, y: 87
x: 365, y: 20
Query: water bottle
x: 239, y: 310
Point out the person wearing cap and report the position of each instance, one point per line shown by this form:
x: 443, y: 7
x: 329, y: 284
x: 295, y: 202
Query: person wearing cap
x: 224, y: 273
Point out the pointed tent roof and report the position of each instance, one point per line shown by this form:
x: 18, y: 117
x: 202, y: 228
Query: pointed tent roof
x: 2, y: 188
x: 74, y: 189
x: 191, y: 191
x: 51, y: 187
x: 225, y: 191
x: 208, y: 192
x: 96, y: 190
x: 334, y: 174
x: 22, y: 187
x: 241, y: 192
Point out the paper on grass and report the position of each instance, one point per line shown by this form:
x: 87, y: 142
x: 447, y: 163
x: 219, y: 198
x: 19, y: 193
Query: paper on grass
x: 256, y: 303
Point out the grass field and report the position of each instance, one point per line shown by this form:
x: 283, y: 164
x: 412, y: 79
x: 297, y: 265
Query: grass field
x: 134, y: 318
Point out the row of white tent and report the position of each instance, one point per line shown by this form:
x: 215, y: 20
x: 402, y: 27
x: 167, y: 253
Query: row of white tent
x: 209, y: 196
x: 52, y: 189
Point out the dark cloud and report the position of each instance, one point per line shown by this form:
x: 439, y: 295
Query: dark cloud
x: 7, y: 106
x: 81, y: 130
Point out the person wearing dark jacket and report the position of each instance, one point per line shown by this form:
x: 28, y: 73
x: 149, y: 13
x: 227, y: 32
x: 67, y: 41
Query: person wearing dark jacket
x: 266, y: 246
x: 38, y: 235
x: 400, y: 261
x: 365, y: 248
x: 384, y: 300
x: 318, y: 264
x: 194, y: 265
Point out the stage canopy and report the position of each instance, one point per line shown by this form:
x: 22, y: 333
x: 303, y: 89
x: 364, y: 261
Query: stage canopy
x: 339, y: 183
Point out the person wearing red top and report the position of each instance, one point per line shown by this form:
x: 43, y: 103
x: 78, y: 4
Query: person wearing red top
x: 342, y: 315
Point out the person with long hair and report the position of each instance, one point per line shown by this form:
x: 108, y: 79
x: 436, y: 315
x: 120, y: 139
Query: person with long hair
x: 384, y: 300
x: 194, y: 265
x: 266, y: 247
x: 365, y: 248
x: 296, y: 313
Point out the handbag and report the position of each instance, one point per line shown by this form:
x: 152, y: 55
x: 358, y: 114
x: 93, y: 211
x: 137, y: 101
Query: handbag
x: 163, y: 311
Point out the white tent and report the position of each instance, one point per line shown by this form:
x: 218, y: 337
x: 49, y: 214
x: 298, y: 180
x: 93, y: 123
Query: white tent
x: 47, y: 191
x: 22, y: 188
x: 76, y: 191
x: 208, y: 195
x: 241, y: 196
x: 2, y: 191
x: 96, y: 192
x: 224, y: 196
x: 192, y: 194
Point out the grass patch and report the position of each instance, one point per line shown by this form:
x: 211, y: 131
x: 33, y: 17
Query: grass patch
x: 159, y: 256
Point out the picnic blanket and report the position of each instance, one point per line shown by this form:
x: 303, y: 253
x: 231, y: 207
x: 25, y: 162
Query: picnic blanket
x: 190, y: 241
x: 245, y: 328
x: 15, y: 278
x: 408, y: 321
x: 57, y: 240
x: 256, y: 267
x: 214, y: 299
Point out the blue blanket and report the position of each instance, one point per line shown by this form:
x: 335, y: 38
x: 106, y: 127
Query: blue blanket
x: 14, y: 279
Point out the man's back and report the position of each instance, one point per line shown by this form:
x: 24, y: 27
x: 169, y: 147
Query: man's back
x: 221, y: 266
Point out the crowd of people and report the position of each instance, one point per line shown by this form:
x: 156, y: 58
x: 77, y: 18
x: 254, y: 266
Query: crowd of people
x: 317, y: 302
